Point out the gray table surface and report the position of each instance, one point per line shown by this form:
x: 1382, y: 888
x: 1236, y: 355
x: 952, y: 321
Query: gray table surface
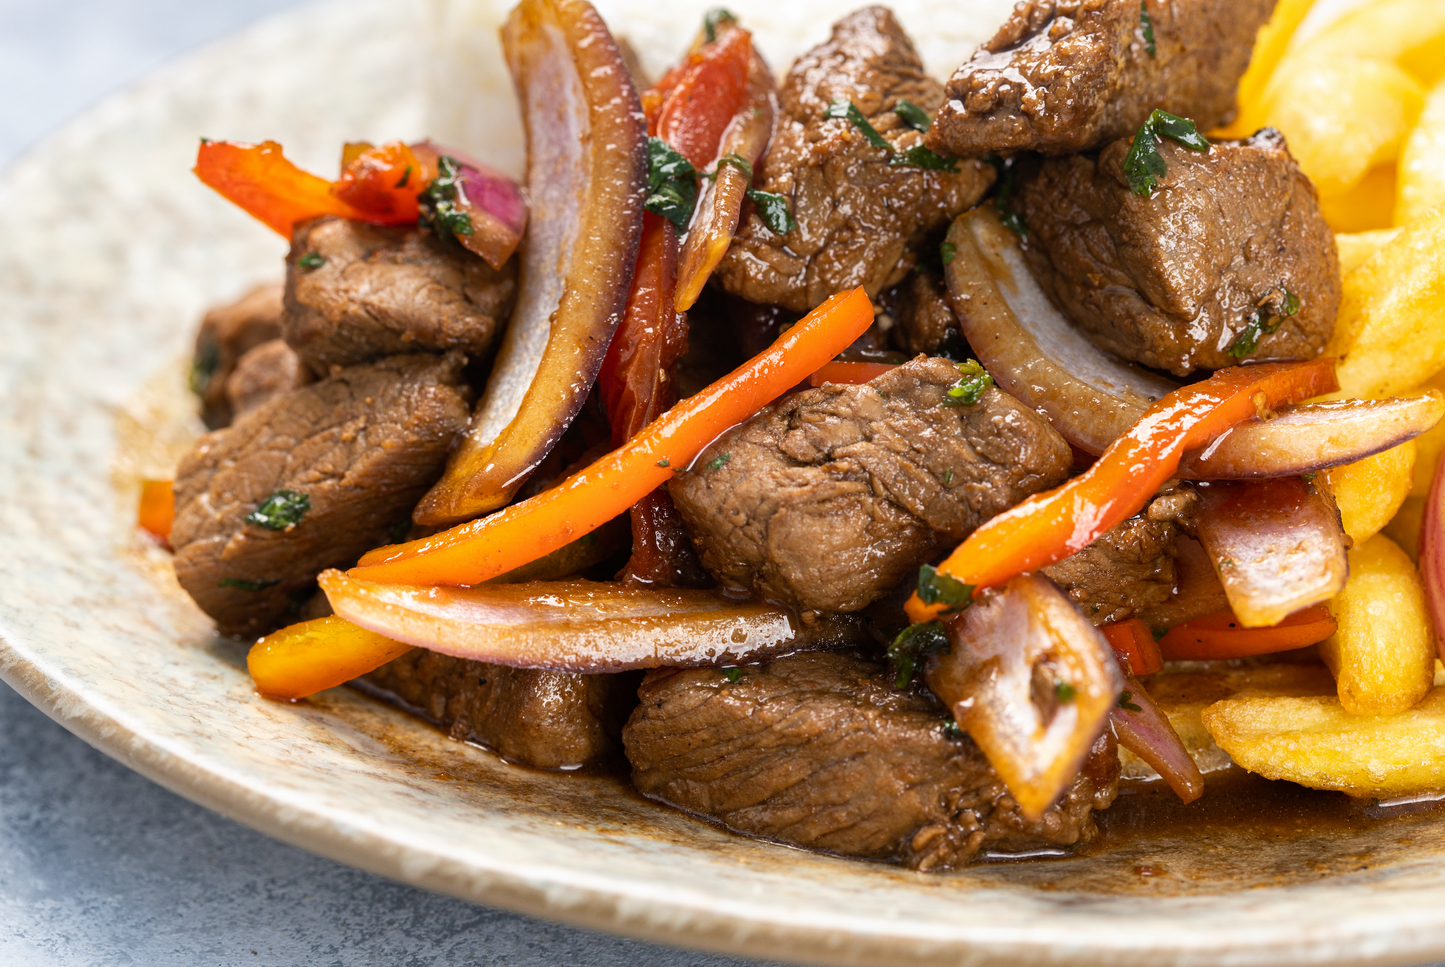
x: 100, y: 866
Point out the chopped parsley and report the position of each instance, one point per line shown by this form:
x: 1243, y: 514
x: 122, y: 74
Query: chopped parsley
x: 280, y: 511
x: 241, y: 584
x: 1147, y: 23
x: 204, y: 367
x: 439, y: 202
x: 912, y: 647
x: 1003, y: 201
x: 1265, y: 321
x: 710, y: 21
x: 1309, y: 477
x: 1143, y: 166
x: 1126, y: 702
x: 732, y: 673
x: 935, y: 587
x: 952, y: 730
x: 971, y: 385
x: 846, y: 110
x: 311, y: 260
x: 913, y: 115
x: 947, y: 477
x: 587, y: 540
x: 737, y: 161
x: 664, y: 463
x: 946, y: 252
x: 718, y: 462
x: 1064, y: 692
x: 921, y: 157
x: 774, y: 211
x: 405, y: 177
x: 671, y: 184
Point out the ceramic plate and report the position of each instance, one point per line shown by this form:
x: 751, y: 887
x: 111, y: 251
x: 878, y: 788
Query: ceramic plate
x: 109, y: 252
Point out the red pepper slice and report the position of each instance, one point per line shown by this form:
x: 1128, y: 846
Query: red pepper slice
x: 1220, y: 635
x: 384, y: 183
x: 259, y: 179
x: 1049, y: 527
x: 694, y: 103
x: 1133, y: 641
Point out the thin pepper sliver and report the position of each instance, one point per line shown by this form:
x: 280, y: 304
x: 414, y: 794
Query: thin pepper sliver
x: 1048, y: 527
x: 1220, y: 636
x: 475, y: 551
x: 259, y: 179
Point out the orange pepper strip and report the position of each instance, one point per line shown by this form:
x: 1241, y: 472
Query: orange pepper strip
x: 1219, y: 635
x: 852, y: 373
x: 259, y: 179
x: 305, y: 658
x: 1049, y: 527
x: 475, y: 551
x: 384, y: 183
x: 1133, y: 641
x: 157, y: 508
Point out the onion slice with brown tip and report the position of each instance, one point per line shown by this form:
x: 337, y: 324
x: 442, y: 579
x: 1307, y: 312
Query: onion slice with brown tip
x: 1145, y: 731
x: 586, y: 178
x: 577, y: 626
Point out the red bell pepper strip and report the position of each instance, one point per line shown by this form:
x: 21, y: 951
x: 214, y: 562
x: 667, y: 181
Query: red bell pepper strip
x: 259, y: 179
x: 475, y: 551
x: 1133, y: 641
x: 384, y: 183
x: 1220, y: 635
x: 1051, y: 526
x: 694, y: 103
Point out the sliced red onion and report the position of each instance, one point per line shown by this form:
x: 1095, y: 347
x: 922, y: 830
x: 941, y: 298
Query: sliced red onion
x: 495, y: 204
x: 1432, y: 554
x: 577, y: 626
x: 1145, y: 731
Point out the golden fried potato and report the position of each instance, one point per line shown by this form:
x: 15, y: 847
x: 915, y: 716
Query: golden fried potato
x: 1269, y: 48
x: 1368, y: 492
x: 1421, y: 181
x: 1428, y: 446
x: 1383, y: 653
x: 1367, y: 207
x: 1408, y: 33
x: 1313, y: 741
x: 1357, y: 247
x: 1389, y: 333
x: 1404, y: 527
x: 1342, y: 115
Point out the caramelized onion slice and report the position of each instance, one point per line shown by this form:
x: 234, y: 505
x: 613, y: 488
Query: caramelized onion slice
x: 1032, y: 681
x: 1277, y: 546
x: 1432, y: 554
x: 586, y: 177
x: 576, y: 626
x: 1145, y: 731
x: 1314, y: 436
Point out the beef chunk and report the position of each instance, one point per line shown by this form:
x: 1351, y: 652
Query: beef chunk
x: 271, y: 369
x: 550, y: 720
x: 362, y: 445
x: 227, y: 333
x: 922, y: 313
x: 1130, y: 567
x: 381, y: 291
x: 832, y: 496
x: 1171, y: 281
x: 860, y: 220
x: 1063, y: 76
x: 820, y: 750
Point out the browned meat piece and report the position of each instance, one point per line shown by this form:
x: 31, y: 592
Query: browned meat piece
x: 550, y: 720
x: 922, y: 313
x: 1063, y: 76
x: 820, y: 750
x: 380, y: 291
x: 832, y: 496
x: 227, y: 333
x: 1130, y: 568
x: 1171, y: 281
x: 362, y: 446
x: 271, y: 369
x: 860, y: 219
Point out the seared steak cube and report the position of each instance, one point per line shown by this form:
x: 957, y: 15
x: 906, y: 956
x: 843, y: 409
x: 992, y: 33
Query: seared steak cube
x: 820, y: 750
x: 860, y: 220
x: 269, y: 370
x: 356, y: 292
x: 829, y: 498
x: 1069, y: 75
x: 310, y: 480
x: 227, y: 333
x: 1229, y: 236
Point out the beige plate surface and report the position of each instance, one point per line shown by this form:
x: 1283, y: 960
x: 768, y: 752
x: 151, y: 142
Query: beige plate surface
x: 109, y: 249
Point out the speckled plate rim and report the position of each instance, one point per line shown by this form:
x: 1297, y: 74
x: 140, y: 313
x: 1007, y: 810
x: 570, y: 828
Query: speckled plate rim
x: 58, y: 555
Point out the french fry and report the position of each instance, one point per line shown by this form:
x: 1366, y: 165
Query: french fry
x: 1315, y: 742
x: 1357, y: 247
x: 1389, y: 334
x: 1368, y: 492
x: 1407, y: 33
x: 1269, y: 48
x: 1367, y: 207
x: 1383, y: 654
x: 1428, y: 447
x: 1421, y: 182
x: 1342, y: 115
x: 1404, y: 527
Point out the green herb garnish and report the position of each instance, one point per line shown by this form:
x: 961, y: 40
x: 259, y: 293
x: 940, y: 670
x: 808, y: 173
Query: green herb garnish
x: 439, y: 201
x: 1309, y: 477
x: 1064, y: 692
x: 241, y: 584
x: 204, y: 367
x: 280, y: 511
x: 971, y: 385
x: 951, y: 729
x: 718, y: 462
x: 935, y: 587
x: 399, y: 530
x: 311, y: 260
x: 405, y: 177
x: 912, y: 646
x: 732, y: 673
x: 774, y: 211
x: 921, y: 157
x: 1148, y: 24
x: 1003, y: 201
x: 671, y: 184
x: 946, y: 252
x: 664, y: 462
x: 846, y: 110
x: 711, y: 19
x: 1265, y: 322
x: 1143, y: 166
x: 913, y: 115
x: 1125, y: 702
x: 737, y: 161
x: 947, y: 477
